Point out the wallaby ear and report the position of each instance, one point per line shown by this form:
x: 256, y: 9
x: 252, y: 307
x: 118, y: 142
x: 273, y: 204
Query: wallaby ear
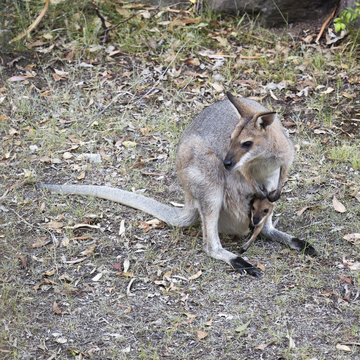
x: 244, y: 110
x: 264, y: 119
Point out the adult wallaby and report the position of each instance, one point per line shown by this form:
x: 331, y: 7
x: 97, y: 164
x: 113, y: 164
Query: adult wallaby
x: 220, y: 190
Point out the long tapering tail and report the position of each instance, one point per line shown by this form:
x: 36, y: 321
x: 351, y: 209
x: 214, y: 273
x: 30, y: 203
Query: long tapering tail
x: 169, y: 214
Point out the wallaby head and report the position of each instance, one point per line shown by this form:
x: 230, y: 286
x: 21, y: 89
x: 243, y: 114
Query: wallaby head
x: 250, y: 138
x: 260, y: 209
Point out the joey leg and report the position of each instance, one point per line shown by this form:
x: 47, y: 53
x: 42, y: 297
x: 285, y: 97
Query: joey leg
x: 292, y: 242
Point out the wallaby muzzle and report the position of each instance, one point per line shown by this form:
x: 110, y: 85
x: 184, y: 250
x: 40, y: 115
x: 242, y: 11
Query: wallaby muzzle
x: 228, y: 163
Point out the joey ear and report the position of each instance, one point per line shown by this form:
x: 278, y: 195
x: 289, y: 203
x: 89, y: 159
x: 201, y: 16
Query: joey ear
x: 264, y: 119
x: 244, y: 110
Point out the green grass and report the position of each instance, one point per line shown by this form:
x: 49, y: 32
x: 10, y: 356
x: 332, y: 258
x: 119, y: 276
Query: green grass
x: 346, y: 154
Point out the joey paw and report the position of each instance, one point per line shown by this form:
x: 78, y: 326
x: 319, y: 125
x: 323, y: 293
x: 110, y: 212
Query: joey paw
x: 261, y: 192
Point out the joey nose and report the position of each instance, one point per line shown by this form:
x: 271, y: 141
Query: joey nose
x: 255, y: 220
x: 228, y: 163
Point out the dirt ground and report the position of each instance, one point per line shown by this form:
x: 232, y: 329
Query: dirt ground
x: 88, y: 278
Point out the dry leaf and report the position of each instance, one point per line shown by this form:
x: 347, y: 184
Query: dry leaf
x: 97, y: 277
x: 76, y: 261
x: 126, y: 265
x: 301, y: 211
x: 128, y: 288
x: 24, y: 261
x: 291, y: 342
x: 145, y: 131
x: 81, y: 176
x: 151, y: 224
x: 338, y: 206
x: 345, y: 279
x: 117, y: 266
x: 343, y: 347
x: 218, y: 88
x: 56, y: 308
x: 55, y: 225
x: 125, y: 274
x: 201, y: 334
x: 289, y: 124
x: 67, y: 155
x: 89, y: 251
x: 61, y: 73
x: 195, y: 276
x: 45, y: 159
x: 129, y: 144
x: 329, y: 90
x: 82, y: 225
x: 122, y: 228
x: 50, y: 272
x: 263, y: 346
x: 19, y: 78
x: 353, y: 238
x: 40, y: 243
x: 351, y: 265
x: 61, y: 340
x: 192, y: 61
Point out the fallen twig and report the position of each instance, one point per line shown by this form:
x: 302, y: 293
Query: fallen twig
x: 324, y: 25
x: 33, y: 25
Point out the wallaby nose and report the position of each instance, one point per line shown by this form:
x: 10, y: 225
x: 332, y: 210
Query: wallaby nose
x: 228, y: 163
x: 255, y: 220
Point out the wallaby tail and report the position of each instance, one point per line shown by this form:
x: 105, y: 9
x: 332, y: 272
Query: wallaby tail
x: 171, y: 215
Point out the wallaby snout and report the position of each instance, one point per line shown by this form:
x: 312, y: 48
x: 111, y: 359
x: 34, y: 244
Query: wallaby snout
x: 228, y: 163
x: 255, y: 220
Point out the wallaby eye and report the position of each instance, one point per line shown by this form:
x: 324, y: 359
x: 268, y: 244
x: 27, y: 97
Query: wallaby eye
x: 266, y: 211
x: 247, y: 144
x: 252, y: 208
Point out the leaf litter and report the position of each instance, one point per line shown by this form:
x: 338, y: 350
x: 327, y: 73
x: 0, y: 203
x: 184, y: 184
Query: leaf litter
x: 127, y: 102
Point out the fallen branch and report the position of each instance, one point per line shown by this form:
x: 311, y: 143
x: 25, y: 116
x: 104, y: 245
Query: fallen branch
x: 33, y: 25
x: 324, y: 25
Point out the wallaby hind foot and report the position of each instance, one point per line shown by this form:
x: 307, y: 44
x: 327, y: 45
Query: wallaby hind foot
x: 242, y: 265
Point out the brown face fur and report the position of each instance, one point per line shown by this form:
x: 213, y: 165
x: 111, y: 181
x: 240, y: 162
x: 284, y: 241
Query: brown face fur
x: 249, y: 137
x: 260, y: 209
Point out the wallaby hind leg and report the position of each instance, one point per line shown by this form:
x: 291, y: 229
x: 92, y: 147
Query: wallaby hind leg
x: 201, y: 173
x: 212, y: 245
x: 294, y: 243
x: 209, y: 200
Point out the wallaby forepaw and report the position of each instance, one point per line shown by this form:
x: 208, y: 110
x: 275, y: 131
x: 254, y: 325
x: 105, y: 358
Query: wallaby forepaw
x: 239, y: 264
x: 304, y: 246
x: 261, y: 192
x: 274, y: 195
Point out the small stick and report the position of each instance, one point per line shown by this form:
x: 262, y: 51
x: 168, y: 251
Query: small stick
x: 324, y: 25
x: 33, y: 25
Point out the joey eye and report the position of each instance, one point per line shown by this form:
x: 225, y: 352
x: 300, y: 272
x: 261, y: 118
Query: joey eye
x: 266, y: 211
x: 252, y: 208
x: 247, y: 144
